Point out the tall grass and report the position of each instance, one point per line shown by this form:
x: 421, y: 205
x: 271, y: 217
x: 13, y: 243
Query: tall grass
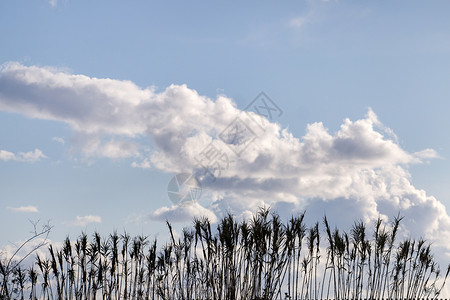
x: 261, y: 258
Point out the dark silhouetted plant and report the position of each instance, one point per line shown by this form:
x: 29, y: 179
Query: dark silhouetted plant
x: 257, y: 259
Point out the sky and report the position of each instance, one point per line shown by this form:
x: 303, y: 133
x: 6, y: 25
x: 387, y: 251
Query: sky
x: 103, y: 102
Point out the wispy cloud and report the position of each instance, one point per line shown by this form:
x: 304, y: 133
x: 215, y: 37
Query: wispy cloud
x: 24, y: 209
x: 30, y: 157
x: 427, y: 153
x: 84, y: 220
x: 144, y: 164
x: 298, y: 22
x: 58, y: 140
x: 53, y: 3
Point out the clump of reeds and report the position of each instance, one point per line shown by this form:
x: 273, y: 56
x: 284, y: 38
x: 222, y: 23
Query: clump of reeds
x: 262, y: 258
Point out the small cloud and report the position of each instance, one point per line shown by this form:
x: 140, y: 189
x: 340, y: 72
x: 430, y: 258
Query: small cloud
x: 145, y: 164
x: 5, y: 155
x: 427, y: 154
x: 32, y: 156
x: 183, y: 213
x: 83, y: 221
x: 58, y: 140
x: 113, y: 149
x: 136, y: 219
x: 301, y: 21
x: 297, y: 22
x: 53, y: 3
x: 25, y: 209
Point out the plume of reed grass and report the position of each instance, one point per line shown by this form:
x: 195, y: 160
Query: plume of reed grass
x: 262, y: 258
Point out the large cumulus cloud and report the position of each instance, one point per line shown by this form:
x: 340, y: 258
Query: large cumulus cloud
x: 359, y: 171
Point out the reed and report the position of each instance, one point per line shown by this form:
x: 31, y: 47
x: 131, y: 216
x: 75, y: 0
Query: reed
x: 260, y: 258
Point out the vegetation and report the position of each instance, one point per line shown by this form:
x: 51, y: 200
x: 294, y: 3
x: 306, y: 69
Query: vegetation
x: 262, y: 258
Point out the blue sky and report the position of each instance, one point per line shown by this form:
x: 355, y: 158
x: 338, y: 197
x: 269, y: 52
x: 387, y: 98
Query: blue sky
x: 384, y: 66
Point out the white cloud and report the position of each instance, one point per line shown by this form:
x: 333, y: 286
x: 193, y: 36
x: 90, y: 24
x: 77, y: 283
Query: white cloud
x: 83, y: 221
x: 144, y: 164
x: 183, y: 213
x: 5, y: 155
x: 34, y: 156
x: 58, y: 140
x: 26, y: 209
x: 427, y: 153
x: 31, y: 157
x: 53, y: 3
x: 298, y: 22
x: 314, y: 13
x: 359, y: 171
x: 93, y: 147
x: 28, y: 250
